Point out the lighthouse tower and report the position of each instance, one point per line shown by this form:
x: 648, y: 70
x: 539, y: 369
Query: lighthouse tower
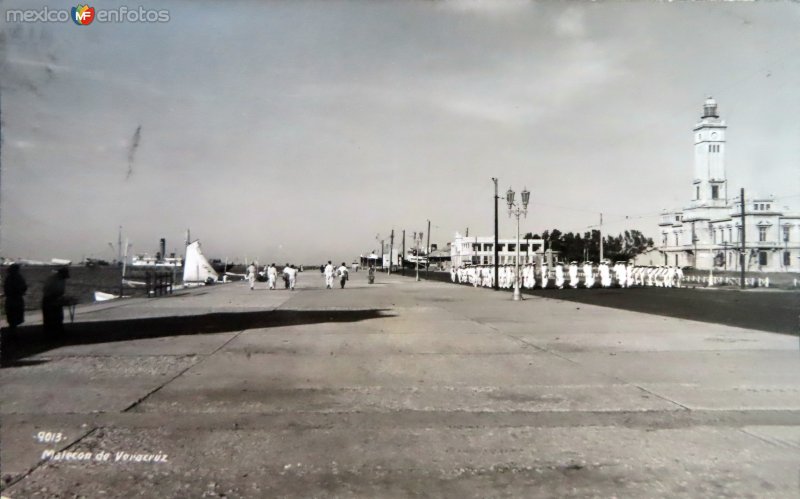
x: 710, y: 185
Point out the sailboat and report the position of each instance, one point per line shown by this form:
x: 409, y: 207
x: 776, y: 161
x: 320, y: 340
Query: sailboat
x: 197, y: 271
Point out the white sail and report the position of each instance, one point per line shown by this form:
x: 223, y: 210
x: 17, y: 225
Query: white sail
x: 196, y: 268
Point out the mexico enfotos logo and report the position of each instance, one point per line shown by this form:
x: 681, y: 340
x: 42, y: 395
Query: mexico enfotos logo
x: 84, y: 15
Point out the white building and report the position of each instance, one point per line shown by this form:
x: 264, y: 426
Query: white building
x: 479, y: 250
x: 708, y: 233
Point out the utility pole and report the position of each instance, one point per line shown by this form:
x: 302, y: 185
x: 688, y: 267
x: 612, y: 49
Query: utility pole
x: 428, y: 250
x: 496, y: 236
x: 601, y: 237
x: 742, y: 256
x: 119, y: 245
x: 391, y: 251
x: 403, y: 255
x: 382, y: 251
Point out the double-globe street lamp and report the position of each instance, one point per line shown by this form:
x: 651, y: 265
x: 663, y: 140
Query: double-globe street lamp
x: 517, y: 210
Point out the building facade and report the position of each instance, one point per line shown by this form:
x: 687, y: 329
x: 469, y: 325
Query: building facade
x: 707, y: 234
x: 479, y: 250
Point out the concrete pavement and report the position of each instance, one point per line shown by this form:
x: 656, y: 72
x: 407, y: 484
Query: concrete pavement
x: 395, y: 389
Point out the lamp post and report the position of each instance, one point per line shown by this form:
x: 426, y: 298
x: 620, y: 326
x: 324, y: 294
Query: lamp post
x: 516, y: 210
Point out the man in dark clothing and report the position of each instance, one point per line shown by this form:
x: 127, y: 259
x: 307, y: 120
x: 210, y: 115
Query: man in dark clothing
x: 53, y: 301
x: 14, y: 289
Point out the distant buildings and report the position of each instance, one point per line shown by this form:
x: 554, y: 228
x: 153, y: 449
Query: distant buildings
x: 479, y: 250
x: 707, y: 234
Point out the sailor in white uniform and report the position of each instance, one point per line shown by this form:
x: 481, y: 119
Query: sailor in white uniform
x: 545, y: 275
x: 559, y: 275
x: 573, y: 274
x: 588, y: 274
x: 605, y: 276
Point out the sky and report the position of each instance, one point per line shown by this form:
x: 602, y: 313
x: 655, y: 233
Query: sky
x: 302, y: 131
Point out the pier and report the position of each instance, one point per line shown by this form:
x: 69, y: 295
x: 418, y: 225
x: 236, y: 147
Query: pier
x: 394, y: 389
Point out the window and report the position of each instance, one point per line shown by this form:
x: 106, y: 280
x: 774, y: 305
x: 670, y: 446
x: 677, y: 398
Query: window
x: 768, y: 207
x: 676, y: 239
x: 786, y: 233
x: 512, y: 247
x: 722, y: 235
x: 714, y: 192
x: 762, y: 234
x: 787, y: 258
x: 697, y: 192
x: 714, y: 236
x: 663, y: 239
x: 523, y: 247
x: 762, y: 257
x: 738, y: 234
x: 677, y: 218
x: 730, y: 234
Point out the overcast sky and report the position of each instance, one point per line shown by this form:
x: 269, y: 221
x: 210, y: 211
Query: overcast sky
x: 298, y: 131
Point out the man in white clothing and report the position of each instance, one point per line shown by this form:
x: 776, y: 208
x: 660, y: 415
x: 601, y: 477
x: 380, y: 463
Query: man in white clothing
x: 344, y: 274
x: 251, y: 275
x: 328, y: 275
x: 573, y: 274
x: 272, y: 275
x: 291, y: 272
x: 588, y: 275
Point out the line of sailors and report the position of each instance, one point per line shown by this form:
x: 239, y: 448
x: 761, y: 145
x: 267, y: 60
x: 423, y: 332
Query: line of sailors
x: 621, y: 274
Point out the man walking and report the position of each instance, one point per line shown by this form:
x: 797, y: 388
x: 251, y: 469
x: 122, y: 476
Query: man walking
x: 272, y: 275
x: 251, y: 275
x: 343, y: 274
x: 328, y: 271
x: 291, y: 274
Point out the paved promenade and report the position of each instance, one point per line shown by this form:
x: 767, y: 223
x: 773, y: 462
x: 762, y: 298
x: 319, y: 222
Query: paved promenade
x: 397, y: 389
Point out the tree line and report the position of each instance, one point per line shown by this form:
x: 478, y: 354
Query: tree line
x: 574, y: 246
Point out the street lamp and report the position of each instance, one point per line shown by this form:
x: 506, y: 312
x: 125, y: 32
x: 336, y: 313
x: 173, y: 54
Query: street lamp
x: 515, y: 209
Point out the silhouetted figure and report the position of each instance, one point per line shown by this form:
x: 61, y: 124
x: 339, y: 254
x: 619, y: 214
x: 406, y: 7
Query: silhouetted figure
x: 14, y: 289
x: 53, y: 301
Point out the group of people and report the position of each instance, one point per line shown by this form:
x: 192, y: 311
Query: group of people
x: 54, y: 299
x: 270, y: 275
x: 330, y: 272
x: 606, y: 275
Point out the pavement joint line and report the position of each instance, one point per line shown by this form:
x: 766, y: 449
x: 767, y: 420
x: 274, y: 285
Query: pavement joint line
x: 181, y: 373
x: 42, y: 461
x: 767, y: 440
x: 617, y: 378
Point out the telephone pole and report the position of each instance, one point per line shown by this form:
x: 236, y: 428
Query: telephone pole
x: 428, y: 250
x: 742, y: 256
x: 601, y: 237
x: 391, y: 251
x: 496, y: 236
x: 403, y: 255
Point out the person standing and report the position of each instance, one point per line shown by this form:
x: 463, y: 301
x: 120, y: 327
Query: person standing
x: 251, y: 275
x: 14, y: 289
x: 545, y: 276
x: 343, y: 274
x: 328, y: 271
x: 588, y: 274
x: 573, y: 274
x: 559, y: 275
x: 291, y: 273
x: 272, y: 275
x: 53, y: 301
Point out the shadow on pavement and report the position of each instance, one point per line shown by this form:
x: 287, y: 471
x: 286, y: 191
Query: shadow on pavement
x: 31, y: 340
